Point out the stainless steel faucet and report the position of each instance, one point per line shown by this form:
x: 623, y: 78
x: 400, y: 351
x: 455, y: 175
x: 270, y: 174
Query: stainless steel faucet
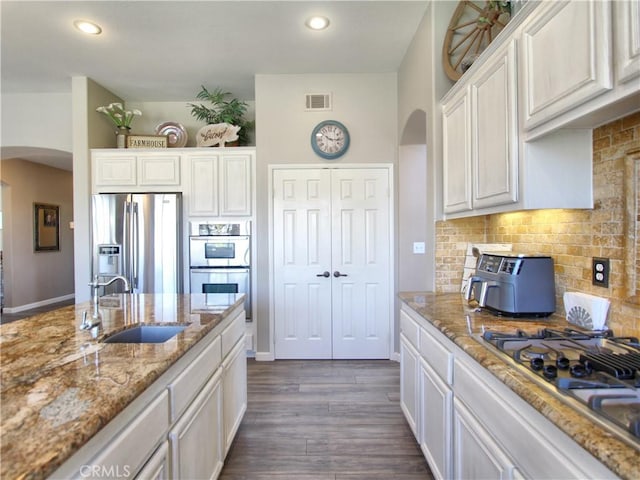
x: 95, y: 285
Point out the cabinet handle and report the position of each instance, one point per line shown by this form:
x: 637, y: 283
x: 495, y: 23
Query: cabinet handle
x: 325, y: 275
x: 338, y: 274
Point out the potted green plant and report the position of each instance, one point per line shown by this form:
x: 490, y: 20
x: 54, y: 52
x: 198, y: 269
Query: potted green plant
x: 230, y: 111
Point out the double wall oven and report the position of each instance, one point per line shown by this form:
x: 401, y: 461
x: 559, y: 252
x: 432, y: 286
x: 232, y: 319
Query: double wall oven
x: 220, y: 259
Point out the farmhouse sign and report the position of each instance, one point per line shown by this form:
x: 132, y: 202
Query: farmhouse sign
x: 217, y: 134
x: 146, y: 141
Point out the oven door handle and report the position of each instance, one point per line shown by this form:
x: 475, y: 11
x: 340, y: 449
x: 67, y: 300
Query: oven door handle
x: 219, y: 270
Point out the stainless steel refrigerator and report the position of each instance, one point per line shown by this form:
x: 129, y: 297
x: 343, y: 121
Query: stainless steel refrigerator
x: 139, y: 236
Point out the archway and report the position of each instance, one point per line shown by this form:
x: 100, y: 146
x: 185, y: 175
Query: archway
x: 415, y: 227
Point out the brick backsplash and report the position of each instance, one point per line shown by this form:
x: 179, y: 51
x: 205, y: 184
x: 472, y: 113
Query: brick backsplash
x: 571, y: 237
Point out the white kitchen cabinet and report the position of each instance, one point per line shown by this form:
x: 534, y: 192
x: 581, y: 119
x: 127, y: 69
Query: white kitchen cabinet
x: 121, y: 170
x: 235, y: 184
x: 234, y: 377
x: 175, y: 428
x: 409, y: 371
x: 234, y: 402
x: 220, y: 183
x: 566, y: 52
x: 471, y: 425
x: 131, y: 448
x: 196, y: 439
x: 494, y: 130
x: 627, y: 40
x: 157, y: 468
x: 436, y: 403
x: 203, y: 171
x: 480, y: 138
x: 476, y: 453
x: 190, y: 381
x: 487, y: 168
x: 456, y: 154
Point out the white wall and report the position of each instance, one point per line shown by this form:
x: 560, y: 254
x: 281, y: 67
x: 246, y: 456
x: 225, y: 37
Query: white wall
x: 90, y: 130
x: 412, y: 221
x: 421, y: 84
x: 366, y: 104
x: 48, y: 116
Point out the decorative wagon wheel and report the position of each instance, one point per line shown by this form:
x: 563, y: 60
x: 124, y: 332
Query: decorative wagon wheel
x: 472, y: 27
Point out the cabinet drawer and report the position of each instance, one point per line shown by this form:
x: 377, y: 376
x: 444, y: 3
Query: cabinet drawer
x: 190, y: 381
x: 437, y: 356
x: 138, y: 440
x: 410, y: 328
x: 233, y: 333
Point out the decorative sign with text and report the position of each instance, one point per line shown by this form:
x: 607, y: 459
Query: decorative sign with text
x: 146, y: 141
x: 217, y: 134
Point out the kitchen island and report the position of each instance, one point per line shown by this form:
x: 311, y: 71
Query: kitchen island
x: 66, y: 395
x: 523, y: 428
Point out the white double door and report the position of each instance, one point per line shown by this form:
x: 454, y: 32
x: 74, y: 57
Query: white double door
x: 332, y: 263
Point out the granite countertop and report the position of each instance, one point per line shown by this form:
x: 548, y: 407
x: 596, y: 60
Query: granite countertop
x: 450, y: 314
x: 59, y: 386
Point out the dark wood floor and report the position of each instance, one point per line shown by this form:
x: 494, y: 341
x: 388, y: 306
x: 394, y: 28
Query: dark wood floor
x: 324, y: 420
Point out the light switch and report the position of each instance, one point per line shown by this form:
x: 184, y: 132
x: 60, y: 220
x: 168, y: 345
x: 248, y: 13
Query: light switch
x: 418, y: 247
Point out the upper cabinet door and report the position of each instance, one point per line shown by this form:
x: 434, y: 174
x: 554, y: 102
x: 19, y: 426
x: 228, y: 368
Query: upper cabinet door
x: 111, y: 170
x: 235, y: 184
x: 566, y: 58
x: 495, y: 131
x: 456, y: 132
x: 221, y: 183
x: 204, y: 181
x: 158, y: 169
x: 627, y: 40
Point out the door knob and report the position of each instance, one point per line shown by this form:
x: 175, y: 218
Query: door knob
x: 338, y: 274
x: 325, y: 275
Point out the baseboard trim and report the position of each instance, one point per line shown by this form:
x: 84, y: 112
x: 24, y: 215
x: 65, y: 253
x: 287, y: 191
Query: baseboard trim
x: 264, y: 357
x: 41, y: 303
x: 395, y: 356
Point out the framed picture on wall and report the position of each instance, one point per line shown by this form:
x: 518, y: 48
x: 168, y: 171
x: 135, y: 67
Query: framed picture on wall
x: 46, y: 227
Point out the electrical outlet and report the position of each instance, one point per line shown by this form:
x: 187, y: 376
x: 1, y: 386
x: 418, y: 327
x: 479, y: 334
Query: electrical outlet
x: 600, y: 272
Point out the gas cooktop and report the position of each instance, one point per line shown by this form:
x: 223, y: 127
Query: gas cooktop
x: 597, y: 369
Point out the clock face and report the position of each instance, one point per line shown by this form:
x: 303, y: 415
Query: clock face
x: 330, y: 139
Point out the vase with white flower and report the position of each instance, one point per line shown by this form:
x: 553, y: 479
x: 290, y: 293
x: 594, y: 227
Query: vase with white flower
x: 121, y: 118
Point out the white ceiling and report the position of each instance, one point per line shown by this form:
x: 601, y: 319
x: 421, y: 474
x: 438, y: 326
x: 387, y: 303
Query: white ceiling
x: 164, y: 50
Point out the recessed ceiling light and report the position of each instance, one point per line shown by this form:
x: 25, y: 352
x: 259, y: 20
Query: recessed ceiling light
x: 89, y: 28
x: 317, y: 23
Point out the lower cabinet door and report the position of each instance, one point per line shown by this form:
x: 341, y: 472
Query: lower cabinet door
x: 476, y: 453
x: 157, y: 468
x: 409, y: 364
x: 195, y: 441
x: 234, y: 391
x: 435, y: 422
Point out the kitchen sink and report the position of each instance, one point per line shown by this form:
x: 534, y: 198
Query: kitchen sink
x: 145, y: 334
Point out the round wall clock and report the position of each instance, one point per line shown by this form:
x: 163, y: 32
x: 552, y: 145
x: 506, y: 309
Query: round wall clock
x: 473, y: 26
x: 330, y: 139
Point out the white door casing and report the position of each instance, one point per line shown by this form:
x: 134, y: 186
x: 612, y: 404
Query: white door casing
x: 329, y: 222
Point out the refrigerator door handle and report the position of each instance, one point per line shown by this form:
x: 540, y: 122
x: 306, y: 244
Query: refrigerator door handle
x: 135, y: 245
x: 126, y: 244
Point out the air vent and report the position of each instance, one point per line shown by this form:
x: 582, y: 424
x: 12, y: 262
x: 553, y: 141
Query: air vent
x: 318, y: 101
